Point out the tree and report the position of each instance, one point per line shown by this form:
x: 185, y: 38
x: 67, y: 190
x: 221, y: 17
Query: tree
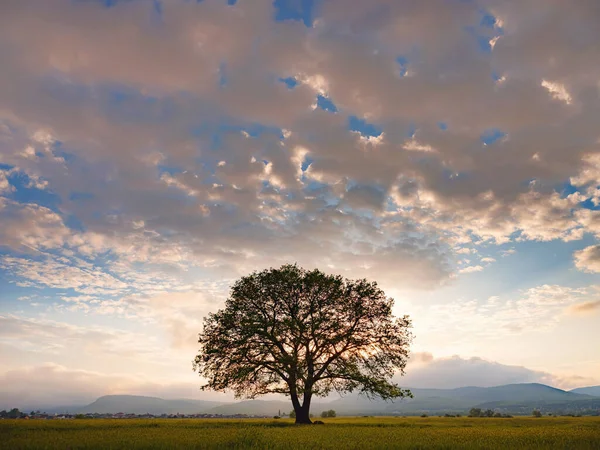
x: 292, y: 414
x: 330, y: 413
x: 475, y: 412
x: 303, y: 334
x: 14, y: 413
x: 536, y: 413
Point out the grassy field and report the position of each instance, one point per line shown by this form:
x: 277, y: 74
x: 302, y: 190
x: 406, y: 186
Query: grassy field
x: 352, y: 433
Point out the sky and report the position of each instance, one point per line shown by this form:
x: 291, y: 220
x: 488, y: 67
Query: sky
x: 153, y: 151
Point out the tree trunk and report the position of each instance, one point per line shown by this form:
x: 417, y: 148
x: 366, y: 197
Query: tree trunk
x: 303, y: 415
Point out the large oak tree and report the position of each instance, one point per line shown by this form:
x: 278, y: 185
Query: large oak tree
x: 303, y: 334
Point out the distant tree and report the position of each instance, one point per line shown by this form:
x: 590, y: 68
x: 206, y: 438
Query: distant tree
x: 14, y: 413
x: 488, y: 413
x: 475, y: 412
x: 330, y: 413
x: 536, y: 413
x: 292, y: 414
x: 303, y: 334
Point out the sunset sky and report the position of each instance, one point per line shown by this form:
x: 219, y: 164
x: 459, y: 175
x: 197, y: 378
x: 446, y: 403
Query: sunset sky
x: 153, y: 151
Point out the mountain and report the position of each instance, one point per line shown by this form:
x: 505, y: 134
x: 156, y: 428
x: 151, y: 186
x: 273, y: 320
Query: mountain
x: 510, y: 398
x: 136, y: 404
x: 590, y: 390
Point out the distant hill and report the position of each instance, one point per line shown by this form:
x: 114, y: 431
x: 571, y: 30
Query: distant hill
x: 136, y: 404
x: 511, y: 398
x: 590, y: 390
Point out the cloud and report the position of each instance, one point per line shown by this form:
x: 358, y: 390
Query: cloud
x: 471, y: 269
x: 52, y: 385
x: 5, y: 185
x: 43, y: 336
x: 456, y: 372
x: 532, y: 310
x: 588, y: 259
x: 144, y: 169
x: 586, y: 307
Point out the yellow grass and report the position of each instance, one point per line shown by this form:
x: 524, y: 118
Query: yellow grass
x: 338, y: 433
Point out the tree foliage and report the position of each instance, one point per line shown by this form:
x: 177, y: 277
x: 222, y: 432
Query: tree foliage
x: 303, y: 333
x: 329, y: 413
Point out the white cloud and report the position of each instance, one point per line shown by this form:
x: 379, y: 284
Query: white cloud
x: 558, y: 91
x: 533, y: 310
x: 588, y: 259
x: 471, y: 269
x: 5, y: 185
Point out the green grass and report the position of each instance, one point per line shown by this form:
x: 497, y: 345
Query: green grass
x: 339, y: 433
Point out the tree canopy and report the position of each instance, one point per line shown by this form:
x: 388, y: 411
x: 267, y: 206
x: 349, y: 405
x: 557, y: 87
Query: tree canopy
x: 304, y: 333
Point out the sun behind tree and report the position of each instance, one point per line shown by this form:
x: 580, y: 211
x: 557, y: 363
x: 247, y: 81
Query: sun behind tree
x: 304, y: 333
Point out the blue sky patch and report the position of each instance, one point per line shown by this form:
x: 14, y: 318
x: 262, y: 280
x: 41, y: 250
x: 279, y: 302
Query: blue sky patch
x: 306, y: 163
x: 363, y: 127
x: 488, y: 137
x: 487, y: 20
x: 290, y: 82
x: 402, y: 63
x: 298, y: 10
x: 326, y: 104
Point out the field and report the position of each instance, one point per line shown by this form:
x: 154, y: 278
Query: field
x: 352, y: 433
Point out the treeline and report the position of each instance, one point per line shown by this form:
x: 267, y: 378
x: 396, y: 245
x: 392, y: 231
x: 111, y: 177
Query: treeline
x: 16, y: 414
x: 478, y: 412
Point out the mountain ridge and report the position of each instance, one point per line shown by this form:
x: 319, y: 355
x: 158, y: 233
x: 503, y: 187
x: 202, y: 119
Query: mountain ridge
x: 516, y: 398
x: 140, y: 404
x: 589, y: 390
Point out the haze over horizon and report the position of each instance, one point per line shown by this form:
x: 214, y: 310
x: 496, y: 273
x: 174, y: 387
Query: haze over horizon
x: 153, y: 151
